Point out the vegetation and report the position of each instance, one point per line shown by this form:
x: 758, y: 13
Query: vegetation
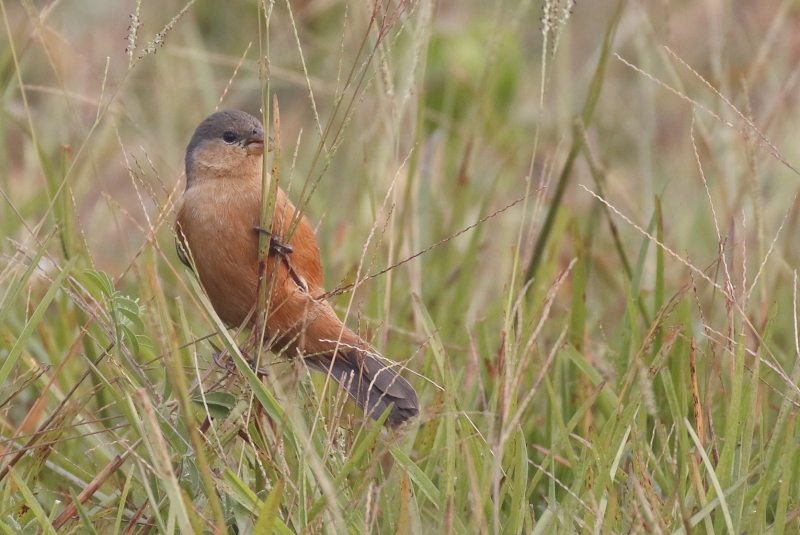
x: 574, y: 224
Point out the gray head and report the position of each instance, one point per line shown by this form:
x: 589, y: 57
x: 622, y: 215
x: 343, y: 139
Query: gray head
x: 238, y: 130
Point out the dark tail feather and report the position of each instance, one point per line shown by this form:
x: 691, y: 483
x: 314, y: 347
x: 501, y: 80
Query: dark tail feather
x: 371, y: 384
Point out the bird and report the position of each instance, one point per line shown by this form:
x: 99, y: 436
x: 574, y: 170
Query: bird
x: 218, y: 227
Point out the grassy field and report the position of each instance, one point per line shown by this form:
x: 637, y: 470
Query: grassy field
x: 575, y: 224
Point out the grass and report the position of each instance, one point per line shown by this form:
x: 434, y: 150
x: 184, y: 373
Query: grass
x: 610, y: 346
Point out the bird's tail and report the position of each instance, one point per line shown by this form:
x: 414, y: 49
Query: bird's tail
x: 373, y: 385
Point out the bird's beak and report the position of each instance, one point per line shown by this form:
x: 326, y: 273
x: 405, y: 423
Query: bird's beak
x: 255, y: 143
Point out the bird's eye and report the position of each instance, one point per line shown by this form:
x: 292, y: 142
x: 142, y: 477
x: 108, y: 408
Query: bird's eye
x: 229, y: 137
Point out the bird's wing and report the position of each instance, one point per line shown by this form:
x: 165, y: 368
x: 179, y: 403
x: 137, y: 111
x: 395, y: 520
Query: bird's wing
x: 181, y: 249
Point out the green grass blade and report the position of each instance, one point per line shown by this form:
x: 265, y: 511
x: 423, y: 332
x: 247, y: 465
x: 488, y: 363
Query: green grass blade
x: 33, y: 322
x: 33, y: 503
x: 713, y: 476
x: 418, y: 477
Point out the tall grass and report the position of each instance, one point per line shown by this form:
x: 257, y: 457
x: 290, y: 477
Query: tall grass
x: 573, y: 224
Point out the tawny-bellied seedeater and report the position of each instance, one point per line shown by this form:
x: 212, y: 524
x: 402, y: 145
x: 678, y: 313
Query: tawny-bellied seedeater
x: 218, y: 227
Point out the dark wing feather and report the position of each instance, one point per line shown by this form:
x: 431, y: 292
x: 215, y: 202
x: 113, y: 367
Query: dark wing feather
x: 183, y: 256
x: 371, y: 384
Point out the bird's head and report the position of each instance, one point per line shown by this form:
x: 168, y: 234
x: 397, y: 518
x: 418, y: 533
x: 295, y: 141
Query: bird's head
x: 227, y: 144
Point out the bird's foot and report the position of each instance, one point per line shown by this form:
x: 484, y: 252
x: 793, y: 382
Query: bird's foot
x: 275, y: 245
x: 231, y: 367
x: 260, y: 372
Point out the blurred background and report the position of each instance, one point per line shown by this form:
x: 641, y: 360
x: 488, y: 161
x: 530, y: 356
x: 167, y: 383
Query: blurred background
x: 402, y: 125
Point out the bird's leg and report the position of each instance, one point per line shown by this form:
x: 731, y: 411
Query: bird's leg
x: 283, y: 250
x: 229, y: 366
x: 275, y: 245
x: 251, y: 346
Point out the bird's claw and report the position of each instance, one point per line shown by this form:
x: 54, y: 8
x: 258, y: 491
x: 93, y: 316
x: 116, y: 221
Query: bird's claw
x: 231, y: 367
x: 275, y: 245
x: 283, y: 250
